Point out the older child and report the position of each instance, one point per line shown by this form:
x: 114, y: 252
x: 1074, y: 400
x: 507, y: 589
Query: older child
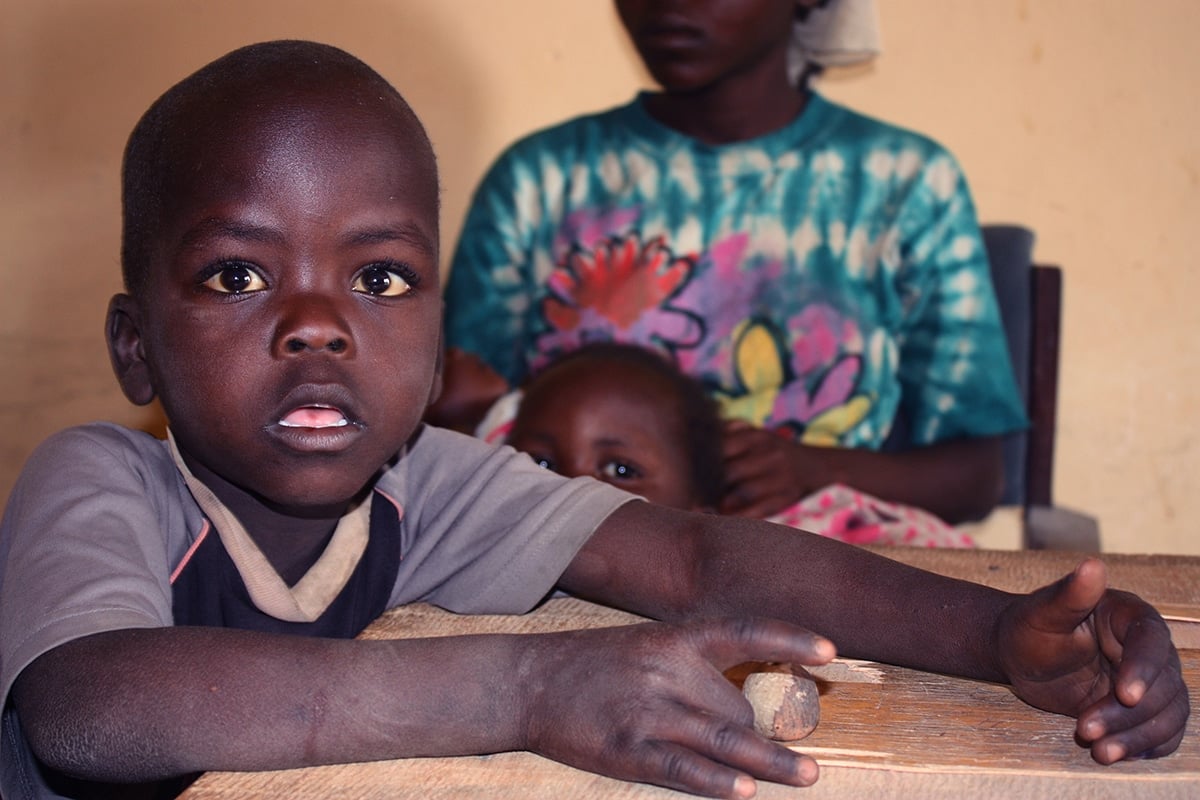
x: 627, y: 416
x: 171, y: 607
x: 822, y: 272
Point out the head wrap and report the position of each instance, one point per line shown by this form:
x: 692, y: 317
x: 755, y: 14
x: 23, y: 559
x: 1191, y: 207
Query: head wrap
x: 836, y: 34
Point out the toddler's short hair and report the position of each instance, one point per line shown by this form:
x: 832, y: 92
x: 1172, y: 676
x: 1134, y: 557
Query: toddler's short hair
x: 699, y: 414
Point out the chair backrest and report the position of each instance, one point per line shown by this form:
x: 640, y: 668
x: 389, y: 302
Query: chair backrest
x: 1030, y: 300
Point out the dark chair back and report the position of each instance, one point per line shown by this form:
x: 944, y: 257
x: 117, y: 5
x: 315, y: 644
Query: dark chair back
x: 1030, y: 299
x: 1010, y: 252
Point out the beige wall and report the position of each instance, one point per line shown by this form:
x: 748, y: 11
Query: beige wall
x: 1076, y: 117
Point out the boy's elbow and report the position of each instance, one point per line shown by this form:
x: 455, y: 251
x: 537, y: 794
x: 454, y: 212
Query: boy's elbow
x: 72, y: 731
x: 55, y: 733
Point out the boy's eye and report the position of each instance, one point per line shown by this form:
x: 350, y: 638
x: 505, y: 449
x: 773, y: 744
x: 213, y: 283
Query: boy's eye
x: 544, y: 463
x: 619, y: 470
x: 235, y: 279
x: 381, y: 281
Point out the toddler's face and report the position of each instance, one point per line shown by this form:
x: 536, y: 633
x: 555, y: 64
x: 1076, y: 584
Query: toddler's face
x: 621, y: 426
x: 291, y: 319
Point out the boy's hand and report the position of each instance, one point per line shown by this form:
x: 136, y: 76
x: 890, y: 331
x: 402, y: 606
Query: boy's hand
x: 1101, y: 655
x: 765, y: 471
x: 649, y: 703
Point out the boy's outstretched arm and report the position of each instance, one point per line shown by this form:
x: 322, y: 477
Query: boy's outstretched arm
x: 1074, y: 647
x: 644, y: 702
x: 145, y: 704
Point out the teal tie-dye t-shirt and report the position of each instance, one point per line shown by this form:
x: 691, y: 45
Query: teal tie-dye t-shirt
x: 820, y: 279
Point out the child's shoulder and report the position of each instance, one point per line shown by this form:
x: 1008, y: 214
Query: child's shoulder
x: 107, y: 436
x: 99, y: 450
x: 563, y: 140
x: 853, y: 128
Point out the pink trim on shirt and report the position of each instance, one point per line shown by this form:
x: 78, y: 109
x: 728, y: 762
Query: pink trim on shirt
x: 207, y: 527
x: 191, y: 551
x: 393, y: 501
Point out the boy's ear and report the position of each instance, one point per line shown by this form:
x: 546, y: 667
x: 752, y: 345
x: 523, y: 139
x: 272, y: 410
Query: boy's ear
x: 122, y: 330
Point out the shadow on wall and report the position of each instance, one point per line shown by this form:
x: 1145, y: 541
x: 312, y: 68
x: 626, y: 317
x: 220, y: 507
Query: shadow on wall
x: 76, y: 77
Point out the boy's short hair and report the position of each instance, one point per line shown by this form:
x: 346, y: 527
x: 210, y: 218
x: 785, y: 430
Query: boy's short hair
x: 148, y: 162
x: 699, y: 413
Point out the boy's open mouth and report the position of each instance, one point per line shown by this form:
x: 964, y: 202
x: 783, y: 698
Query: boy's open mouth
x: 315, y: 416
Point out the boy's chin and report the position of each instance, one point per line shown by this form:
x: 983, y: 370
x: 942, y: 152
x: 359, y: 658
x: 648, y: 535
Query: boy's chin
x: 316, y: 502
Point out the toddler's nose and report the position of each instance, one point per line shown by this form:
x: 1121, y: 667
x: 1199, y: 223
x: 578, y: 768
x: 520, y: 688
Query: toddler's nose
x: 575, y: 467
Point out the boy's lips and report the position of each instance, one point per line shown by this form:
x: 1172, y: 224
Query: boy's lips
x: 317, y: 418
x: 314, y: 416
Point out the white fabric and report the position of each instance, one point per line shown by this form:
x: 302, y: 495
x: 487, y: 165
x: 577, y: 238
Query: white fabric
x: 842, y: 33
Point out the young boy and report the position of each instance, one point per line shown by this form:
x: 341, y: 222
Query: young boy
x: 627, y: 416
x: 167, y: 608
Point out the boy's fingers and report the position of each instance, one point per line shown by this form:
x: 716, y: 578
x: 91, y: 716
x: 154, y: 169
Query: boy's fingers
x: 1133, y: 735
x: 712, y: 756
x: 1068, y: 602
x: 727, y: 642
x: 1146, y: 650
x: 1149, y: 725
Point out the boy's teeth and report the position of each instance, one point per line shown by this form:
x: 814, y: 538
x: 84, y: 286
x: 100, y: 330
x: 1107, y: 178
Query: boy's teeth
x: 314, y: 417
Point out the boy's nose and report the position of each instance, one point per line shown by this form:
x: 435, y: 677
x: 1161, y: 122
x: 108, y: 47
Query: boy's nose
x: 299, y: 344
x: 312, y: 326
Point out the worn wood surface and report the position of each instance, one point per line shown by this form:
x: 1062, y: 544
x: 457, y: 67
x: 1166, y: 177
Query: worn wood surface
x: 884, y: 732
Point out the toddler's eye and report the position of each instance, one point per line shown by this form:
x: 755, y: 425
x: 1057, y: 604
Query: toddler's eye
x: 544, y: 463
x: 235, y: 279
x: 619, y: 470
x: 381, y: 281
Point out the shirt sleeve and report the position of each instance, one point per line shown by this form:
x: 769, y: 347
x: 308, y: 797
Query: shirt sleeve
x: 955, y: 371
x: 82, y: 545
x: 488, y: 531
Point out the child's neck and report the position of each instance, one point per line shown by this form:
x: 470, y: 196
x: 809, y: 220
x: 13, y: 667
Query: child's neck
x: 730, y: 111
x: 291, y: 543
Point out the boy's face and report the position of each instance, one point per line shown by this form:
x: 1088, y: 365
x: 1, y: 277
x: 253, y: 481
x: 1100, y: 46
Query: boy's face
x: 290, y: 321
x: 617, y: 424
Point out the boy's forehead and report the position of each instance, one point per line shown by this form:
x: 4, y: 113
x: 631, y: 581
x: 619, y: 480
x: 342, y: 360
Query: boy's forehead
x: 289, y: 127
x: 282, y: 83
x: 224, y: 113
x: 205, y: 139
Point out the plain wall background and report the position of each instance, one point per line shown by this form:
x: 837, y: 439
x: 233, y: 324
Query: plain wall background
x: 1075, y: 117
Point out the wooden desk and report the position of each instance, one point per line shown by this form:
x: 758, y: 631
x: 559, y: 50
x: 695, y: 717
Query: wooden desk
x: 885, y: 731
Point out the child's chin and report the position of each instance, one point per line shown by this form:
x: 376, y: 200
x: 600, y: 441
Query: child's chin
x: 320, y: 500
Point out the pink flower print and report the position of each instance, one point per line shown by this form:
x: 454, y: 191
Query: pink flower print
x: 587, y: 228
x: 820, y: 334
x: 732, y: 287
x: 801, y: 400
x: 619, y: 290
